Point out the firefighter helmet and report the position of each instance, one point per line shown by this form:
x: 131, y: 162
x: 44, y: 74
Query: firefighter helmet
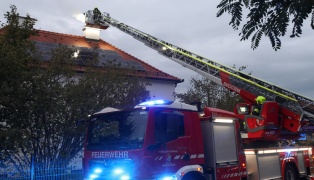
x: 260, y: 99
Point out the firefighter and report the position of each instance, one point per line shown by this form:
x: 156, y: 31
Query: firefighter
x: 259, y: 101
x: 97, y: 14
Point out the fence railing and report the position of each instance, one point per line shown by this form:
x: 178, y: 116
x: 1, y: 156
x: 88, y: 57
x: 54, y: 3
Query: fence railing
x: 41, y: 171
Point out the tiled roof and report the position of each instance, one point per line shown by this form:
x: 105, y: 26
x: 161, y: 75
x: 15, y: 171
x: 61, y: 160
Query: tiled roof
x: 147, y: 70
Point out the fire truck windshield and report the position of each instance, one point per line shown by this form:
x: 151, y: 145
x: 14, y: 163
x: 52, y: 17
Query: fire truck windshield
x: 121, y: 130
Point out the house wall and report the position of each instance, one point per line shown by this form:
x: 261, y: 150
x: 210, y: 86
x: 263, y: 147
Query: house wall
x: 158, y: 89
x: 161, y: 89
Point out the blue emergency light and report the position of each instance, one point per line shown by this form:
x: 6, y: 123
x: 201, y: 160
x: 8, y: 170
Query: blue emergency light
x: 155, y: 102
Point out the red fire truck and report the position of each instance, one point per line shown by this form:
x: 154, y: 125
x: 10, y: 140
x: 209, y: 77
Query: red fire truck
x: 167, y: 140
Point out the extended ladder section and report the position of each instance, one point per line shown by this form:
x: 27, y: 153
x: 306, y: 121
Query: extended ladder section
x: 296, y: 107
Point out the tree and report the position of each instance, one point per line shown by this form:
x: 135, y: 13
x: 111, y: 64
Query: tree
x: 41, y: 103
x: 270, y: 18
x: 209, y: 94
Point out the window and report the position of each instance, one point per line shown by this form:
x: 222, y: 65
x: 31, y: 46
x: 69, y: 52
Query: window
x: 169, y: 125
x: 120, y: 130
x: 243, y: 109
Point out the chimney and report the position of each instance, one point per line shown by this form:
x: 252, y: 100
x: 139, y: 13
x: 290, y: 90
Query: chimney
x: 22, y: 19
x: 92, y: 33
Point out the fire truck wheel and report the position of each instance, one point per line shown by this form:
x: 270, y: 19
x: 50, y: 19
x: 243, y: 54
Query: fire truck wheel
x: 290, y: 173
x: 193, y: 176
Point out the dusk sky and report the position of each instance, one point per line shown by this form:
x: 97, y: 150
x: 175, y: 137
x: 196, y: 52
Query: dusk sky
x: 191, y: 25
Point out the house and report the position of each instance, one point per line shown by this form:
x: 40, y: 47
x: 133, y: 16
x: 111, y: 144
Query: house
x: 162, y: 85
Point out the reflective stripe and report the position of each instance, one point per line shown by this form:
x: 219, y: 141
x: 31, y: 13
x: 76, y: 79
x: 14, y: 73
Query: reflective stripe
x: 200, y: 156
x: 234, y: 174
x: 177, y: 157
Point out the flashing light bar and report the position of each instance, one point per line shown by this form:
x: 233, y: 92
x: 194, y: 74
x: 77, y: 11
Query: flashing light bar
x: 155, y: 102
x: 267, y: 151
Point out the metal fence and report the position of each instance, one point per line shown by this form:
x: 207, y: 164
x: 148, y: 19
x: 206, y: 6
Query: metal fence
x: 41, y: 171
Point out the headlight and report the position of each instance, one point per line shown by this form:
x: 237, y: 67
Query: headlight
x: 125, y: 177
x: 169, y: 178
x: 98, y: 170
x: 118, y: 171
x: 93, y: 176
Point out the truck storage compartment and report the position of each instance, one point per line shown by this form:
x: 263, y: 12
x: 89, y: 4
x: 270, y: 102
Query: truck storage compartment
x: 263, y: 166
x: 219, y: 143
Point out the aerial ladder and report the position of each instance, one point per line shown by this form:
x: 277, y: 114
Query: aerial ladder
x: 297, y: 111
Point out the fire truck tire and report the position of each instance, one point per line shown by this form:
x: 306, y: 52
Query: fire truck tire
x: 290, y: 173
x: 193, y: 176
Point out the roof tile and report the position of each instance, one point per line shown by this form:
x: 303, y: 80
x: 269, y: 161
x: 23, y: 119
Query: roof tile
x: 81, y: 41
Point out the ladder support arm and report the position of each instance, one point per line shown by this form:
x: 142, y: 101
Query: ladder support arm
x: 251, y: 86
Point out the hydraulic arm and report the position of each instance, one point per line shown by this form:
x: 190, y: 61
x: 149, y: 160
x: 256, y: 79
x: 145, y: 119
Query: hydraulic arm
x: 297, y: 109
